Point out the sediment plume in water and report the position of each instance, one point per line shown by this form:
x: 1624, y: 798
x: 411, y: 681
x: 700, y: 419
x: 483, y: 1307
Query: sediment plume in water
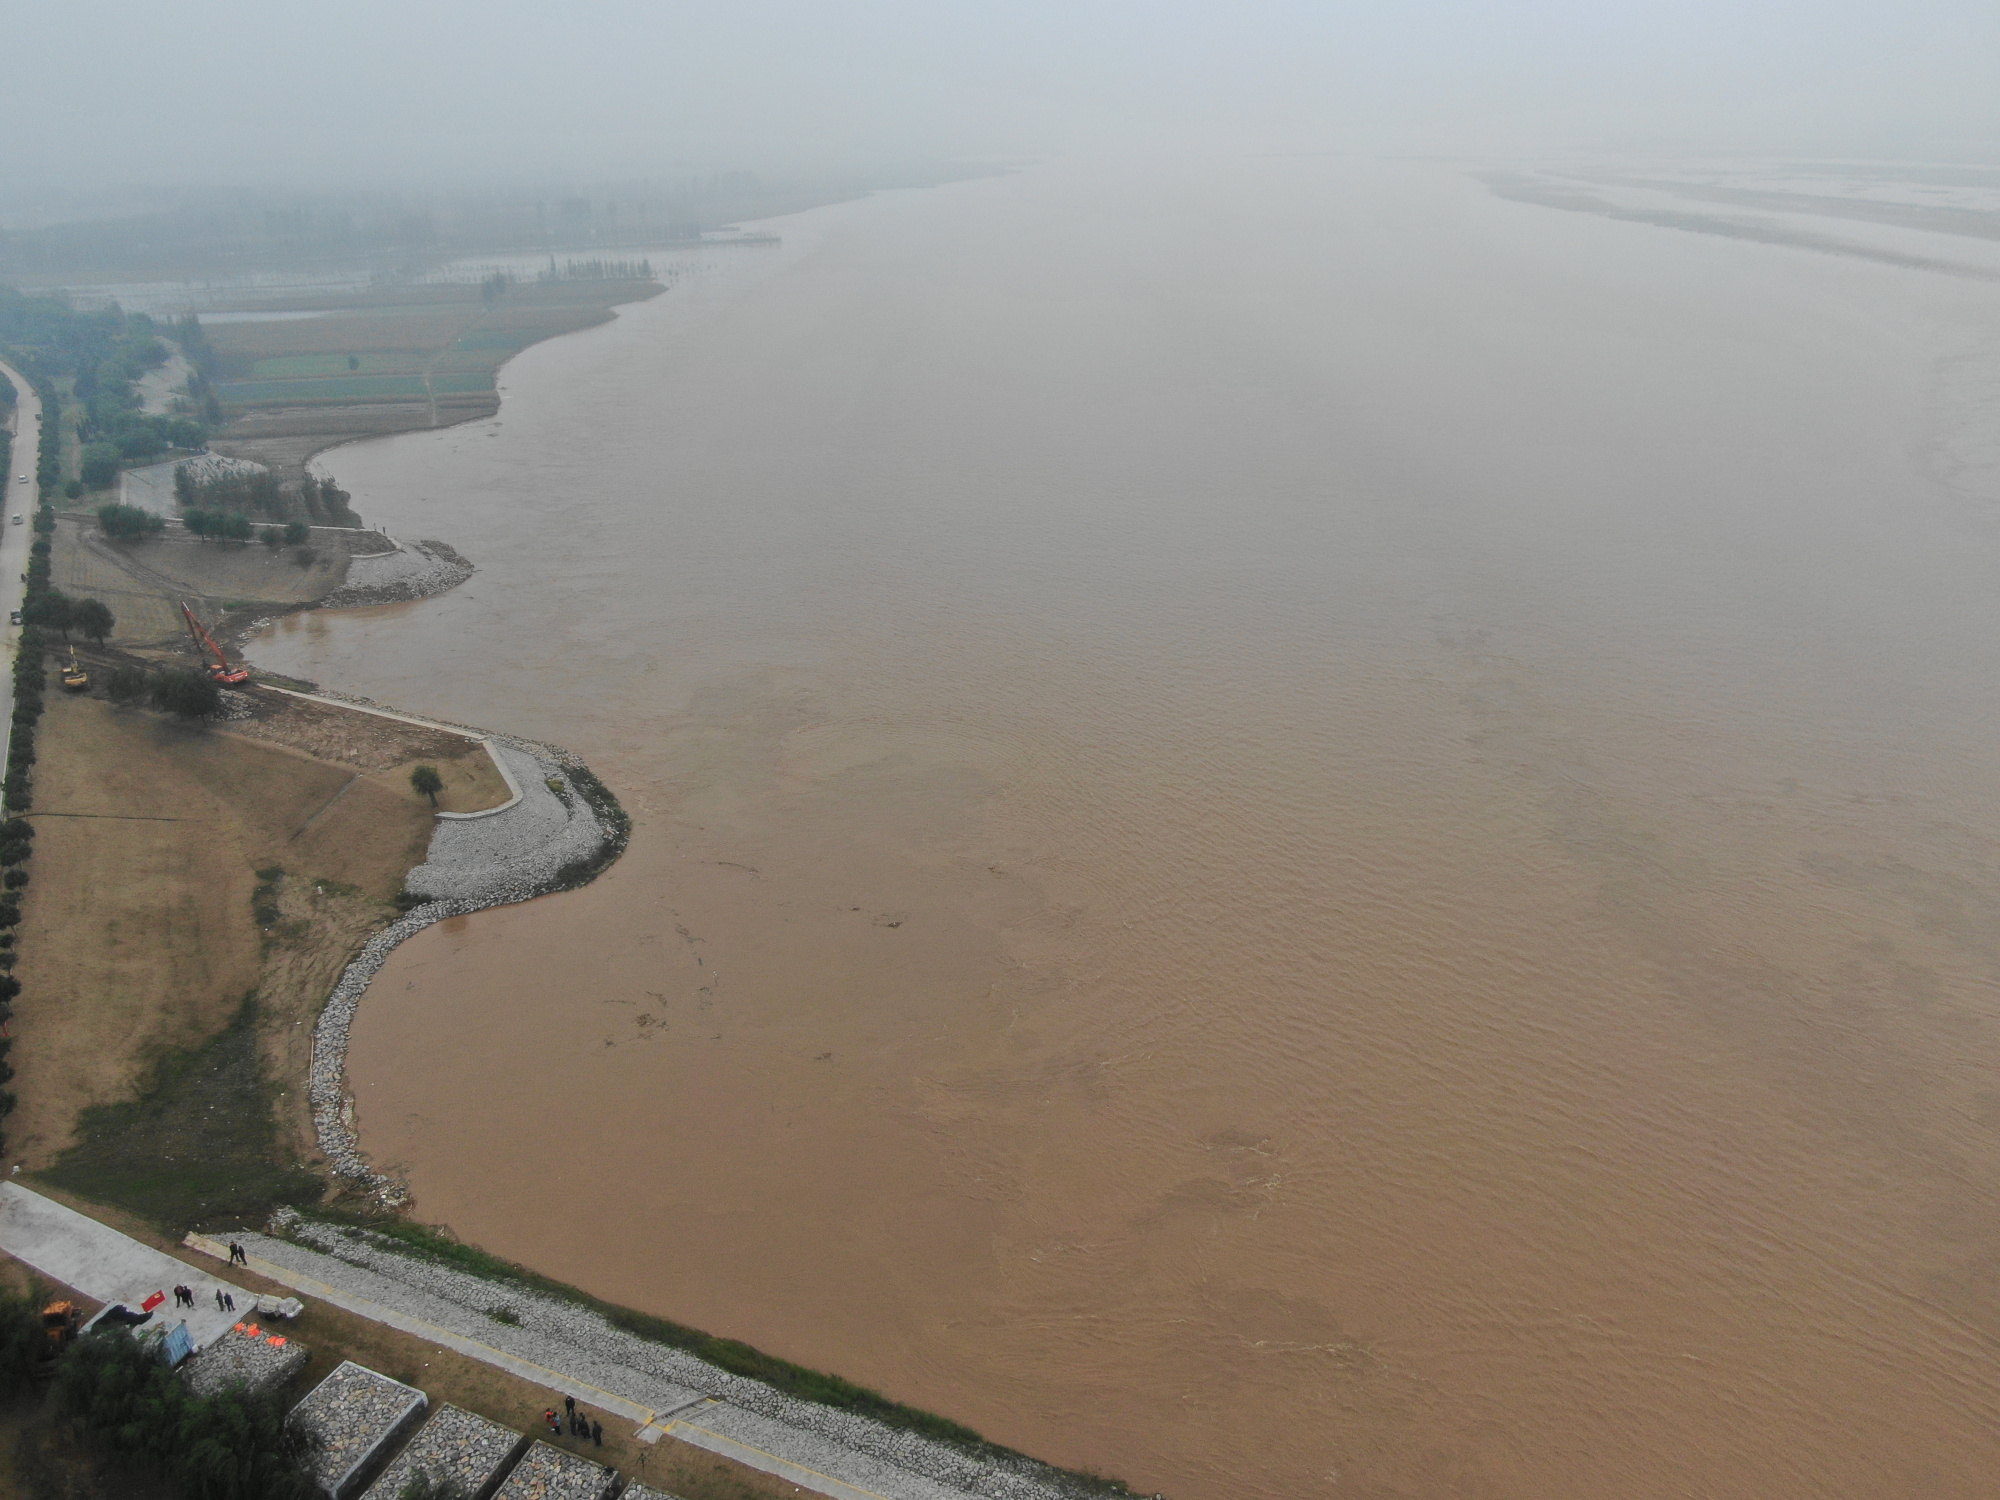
x: 1348, y: 857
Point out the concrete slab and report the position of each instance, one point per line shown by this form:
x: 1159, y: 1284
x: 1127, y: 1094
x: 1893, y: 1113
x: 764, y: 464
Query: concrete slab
x: 548, y: 1473
x: 456, y: 1447
x: 358, y: 1415
x: 111, y: 1267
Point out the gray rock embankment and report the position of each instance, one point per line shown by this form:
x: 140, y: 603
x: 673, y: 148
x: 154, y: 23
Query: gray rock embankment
x: 582, y: 1344
x: 538, y: 845
x: 414, y: 570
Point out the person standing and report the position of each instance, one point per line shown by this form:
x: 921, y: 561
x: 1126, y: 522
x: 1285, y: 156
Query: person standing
x: 218, y: 1300
x: 597, y: 1433
x: 569, y: 1408
x: 550, y: 1417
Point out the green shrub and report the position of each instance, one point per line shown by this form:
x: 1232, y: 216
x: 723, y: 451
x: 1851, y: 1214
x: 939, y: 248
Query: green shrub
x: 192, y: 695
x: 118, y: 1398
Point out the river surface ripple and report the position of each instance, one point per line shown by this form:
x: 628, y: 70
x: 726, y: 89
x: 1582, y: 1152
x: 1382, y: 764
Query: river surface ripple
x: 1298, y: 832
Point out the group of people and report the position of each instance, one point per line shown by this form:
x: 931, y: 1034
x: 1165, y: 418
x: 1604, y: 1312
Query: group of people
x: 184, y: 1297
x: 580, y: 1424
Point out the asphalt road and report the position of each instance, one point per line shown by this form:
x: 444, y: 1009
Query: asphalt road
x: 14, y: 540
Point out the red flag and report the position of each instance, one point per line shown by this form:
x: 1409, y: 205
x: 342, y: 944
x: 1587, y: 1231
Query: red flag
x: 152, y: 1302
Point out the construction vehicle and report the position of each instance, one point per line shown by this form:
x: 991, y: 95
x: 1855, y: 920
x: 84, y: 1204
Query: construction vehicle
x: 59, y: 1324
x: 74, y: 678
x: 221, y: 671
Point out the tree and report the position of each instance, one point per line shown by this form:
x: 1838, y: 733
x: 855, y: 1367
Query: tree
x: 192, y: 695
x: 271, y: 537
x: 52, y: 609
x: 427, y: 782
x: 22, y: 1341
x: 100, y: 464
x: 128, y: 520
x: 124, y: 684
x: 116, y: 1394
x: 297, y: 533
x: 94, y: 618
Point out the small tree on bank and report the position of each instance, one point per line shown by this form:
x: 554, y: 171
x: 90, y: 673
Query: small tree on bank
x: 190, y: 694
x: 94, y: 618
x: 427, y: 782
x: 128, y: 520
x: 125, y: 683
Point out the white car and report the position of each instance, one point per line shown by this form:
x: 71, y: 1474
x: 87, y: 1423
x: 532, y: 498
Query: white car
x: 17, y: 518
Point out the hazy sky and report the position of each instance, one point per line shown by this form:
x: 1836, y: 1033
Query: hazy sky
x: 115, y: 91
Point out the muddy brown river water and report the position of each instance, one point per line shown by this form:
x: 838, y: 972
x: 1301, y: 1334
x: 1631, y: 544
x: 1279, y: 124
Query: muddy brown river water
x: 1299, y: 832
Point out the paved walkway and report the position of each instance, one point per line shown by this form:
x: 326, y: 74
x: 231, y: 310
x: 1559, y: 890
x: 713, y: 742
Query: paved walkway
x: 663, y: 1391
x: 15, y: 540
x: 111, y: 1267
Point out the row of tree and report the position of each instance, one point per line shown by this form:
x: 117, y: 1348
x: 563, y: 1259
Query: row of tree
x: 208, y: 486
x: 597, y: 270
x: 52, y: 609
x: 129, y: 520
x: 231, y: 526
x: 102, y: 354
x: 17, y: 842
x: 175, y: 690
x: 17, y: 834
x: 115, y: 1397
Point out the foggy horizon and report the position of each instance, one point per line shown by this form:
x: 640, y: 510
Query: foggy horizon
x: 446, y: 98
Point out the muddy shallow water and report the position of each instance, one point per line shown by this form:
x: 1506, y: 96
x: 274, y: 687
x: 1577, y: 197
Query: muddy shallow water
x: 1298, y: 832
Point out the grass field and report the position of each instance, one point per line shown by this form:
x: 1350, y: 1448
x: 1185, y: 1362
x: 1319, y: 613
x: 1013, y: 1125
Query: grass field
x: 148, y: 923
x: 346, y: 388
x: 410, y: 345
x: 335, y: 366
x: 144, y: 580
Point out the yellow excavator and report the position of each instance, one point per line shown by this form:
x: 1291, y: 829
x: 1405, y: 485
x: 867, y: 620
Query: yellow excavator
x: 74, y: 678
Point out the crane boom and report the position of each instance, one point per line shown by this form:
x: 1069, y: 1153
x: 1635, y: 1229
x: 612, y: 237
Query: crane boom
x: 221, y: 671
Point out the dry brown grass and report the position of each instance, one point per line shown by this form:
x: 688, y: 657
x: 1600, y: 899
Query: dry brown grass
x: 138, y: 930
x: 144, y: 581
x: 427, y: 323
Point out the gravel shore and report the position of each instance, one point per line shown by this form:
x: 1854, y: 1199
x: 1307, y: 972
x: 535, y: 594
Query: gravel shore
x: 531, y: 849
x: 415, y: 570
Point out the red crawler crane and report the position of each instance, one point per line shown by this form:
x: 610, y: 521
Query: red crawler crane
x: 221, y: 671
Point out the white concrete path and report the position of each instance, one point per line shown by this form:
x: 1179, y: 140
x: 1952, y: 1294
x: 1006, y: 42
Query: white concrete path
x: 658, y: 1406
x: 19, y: 489
x: 111, y: 1267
